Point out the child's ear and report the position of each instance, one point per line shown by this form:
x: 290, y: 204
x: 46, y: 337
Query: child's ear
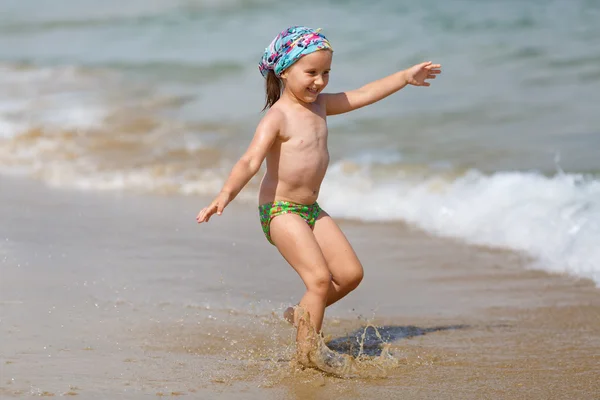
x: 284, y: 74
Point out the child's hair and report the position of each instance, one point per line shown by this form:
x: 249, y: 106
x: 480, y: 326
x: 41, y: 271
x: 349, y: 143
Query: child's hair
x: 273, y: 89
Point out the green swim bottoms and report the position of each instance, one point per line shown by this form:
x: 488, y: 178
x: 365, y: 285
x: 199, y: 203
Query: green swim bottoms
x: 268, y: 211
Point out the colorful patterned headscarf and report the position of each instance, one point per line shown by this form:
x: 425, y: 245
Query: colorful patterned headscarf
x: 289, y: 46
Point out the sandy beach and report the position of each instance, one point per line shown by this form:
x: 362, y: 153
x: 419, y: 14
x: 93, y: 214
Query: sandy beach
x: 113, y: 295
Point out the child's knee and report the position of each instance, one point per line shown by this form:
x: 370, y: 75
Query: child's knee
x: 353, y: 278
x: 319, y: 282
x: 358, y: 277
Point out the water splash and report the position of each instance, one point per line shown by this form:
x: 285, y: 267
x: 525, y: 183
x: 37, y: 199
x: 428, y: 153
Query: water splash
x: 371, y: 340
x: 314, y: 353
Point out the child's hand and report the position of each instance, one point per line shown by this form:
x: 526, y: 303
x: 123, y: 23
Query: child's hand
x: 217, y: 206
x: 418, y: 74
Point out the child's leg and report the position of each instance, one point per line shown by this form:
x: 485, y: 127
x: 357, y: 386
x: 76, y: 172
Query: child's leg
x: 297, y: 244
x: 342, y: 262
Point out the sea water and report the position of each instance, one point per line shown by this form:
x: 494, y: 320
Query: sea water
x: 503, y: 150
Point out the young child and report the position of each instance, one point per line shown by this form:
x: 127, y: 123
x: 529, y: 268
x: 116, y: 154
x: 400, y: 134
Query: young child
x: 292, y: 136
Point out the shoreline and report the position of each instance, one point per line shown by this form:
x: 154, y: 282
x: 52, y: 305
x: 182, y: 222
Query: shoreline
x: 101, y: 285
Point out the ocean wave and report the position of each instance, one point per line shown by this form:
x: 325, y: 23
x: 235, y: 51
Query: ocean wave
x: 91, y: 129
x: 554, y: 219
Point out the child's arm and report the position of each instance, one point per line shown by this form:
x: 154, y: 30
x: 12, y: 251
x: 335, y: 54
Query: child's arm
x: 339, y: 103
x: 247, y: 166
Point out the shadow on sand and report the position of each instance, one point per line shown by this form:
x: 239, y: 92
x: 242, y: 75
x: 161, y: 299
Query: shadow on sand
x: 373, y: 338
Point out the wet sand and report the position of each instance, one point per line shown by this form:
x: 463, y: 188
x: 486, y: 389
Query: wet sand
x: 124, y: 296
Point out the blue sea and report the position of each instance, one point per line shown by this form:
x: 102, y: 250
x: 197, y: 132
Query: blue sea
x: 162, y: 96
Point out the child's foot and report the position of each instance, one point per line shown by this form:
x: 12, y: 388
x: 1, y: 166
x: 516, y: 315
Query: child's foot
x: 289, y: 315
x: 332, y: 362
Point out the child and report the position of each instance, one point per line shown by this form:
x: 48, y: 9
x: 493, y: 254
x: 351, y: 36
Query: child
x: 292, y: 136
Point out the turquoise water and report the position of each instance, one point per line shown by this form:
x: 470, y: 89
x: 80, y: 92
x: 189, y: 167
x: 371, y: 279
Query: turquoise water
x: 521, y: 79
x: 163, y: 95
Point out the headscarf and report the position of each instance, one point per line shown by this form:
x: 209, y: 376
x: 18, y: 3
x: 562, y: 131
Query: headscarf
x: 289, y: 46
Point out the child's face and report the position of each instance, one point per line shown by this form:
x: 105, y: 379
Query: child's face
x: 309, y: 75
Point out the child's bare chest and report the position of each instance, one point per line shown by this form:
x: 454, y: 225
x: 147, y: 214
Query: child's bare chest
x: 305, y: 134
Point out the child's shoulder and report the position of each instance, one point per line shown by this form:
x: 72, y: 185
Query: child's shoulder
x: 273, y: 119
x: 274, y: 114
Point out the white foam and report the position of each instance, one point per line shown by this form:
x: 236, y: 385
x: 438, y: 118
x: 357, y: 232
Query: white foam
x: 554, y: 219
x: 206, y: 182
x: 54, y: 98
x: 384, y: 157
